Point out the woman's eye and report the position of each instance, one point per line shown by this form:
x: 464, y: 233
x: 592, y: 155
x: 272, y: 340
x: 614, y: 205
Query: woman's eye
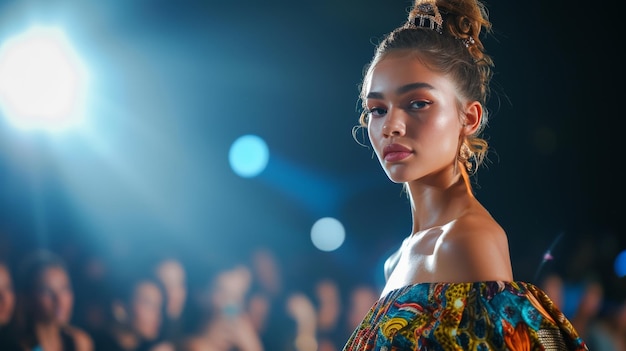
x: 376, y: 112
x: 419, y: 104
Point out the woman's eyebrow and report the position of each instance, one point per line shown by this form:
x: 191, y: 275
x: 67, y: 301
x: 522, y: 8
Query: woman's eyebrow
x: 402, y: 90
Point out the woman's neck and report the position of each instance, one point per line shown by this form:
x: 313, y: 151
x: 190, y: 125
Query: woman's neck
x: 49, y: 336
x: 438, y: 203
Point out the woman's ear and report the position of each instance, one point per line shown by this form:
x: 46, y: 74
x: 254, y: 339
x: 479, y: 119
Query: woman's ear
x: 472, y: 117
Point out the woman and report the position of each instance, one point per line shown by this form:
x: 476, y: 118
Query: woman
x: 173, y: 277
x: 45, y: 301
x: 7, y: 295
x: 137, y: 309
x: 7, y: 308
x: 450, y: 285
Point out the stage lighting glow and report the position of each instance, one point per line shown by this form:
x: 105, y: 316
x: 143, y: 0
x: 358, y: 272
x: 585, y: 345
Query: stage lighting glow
x: 248, y: 156
x: 42, y: 80
x: 328, y: 234
x: 620, y: 264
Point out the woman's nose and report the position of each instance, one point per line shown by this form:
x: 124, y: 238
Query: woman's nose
x: 394, y: 123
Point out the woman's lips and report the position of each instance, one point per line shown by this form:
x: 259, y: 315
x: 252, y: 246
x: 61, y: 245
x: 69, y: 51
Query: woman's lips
x: 396, y: 152
x: 397, y: 156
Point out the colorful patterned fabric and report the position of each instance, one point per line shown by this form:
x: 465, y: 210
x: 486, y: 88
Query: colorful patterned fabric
x: 465, y: 316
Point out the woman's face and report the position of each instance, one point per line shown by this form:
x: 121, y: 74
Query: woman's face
x: 414, y: 123
x: 172, y: 275
x: 7, y: 296
x: 146, y: 310
x: 54, y: 298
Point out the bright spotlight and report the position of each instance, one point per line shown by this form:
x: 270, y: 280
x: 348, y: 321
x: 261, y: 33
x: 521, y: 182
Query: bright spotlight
x: 42, y: 80
x: 328, y: 234
x: 248, y: 156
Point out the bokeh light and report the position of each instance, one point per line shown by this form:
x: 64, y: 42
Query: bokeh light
x: 248, y: 156
x: 42, y: 80
x: 620, y: 264
x: 328, y: 234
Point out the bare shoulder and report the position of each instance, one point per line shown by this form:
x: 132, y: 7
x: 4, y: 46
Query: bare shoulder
x: 477, y: 225
x: 474, y: 248
x: 83, y: 340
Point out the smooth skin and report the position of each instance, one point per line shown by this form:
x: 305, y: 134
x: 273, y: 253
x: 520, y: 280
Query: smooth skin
x: 454, y: 238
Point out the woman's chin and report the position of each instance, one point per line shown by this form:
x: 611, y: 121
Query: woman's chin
x: 398, y: 178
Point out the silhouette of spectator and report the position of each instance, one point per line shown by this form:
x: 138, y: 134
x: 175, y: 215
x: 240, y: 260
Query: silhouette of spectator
x: 361, y: 298
x: 618, y: 326
x: 91, y: 304
x: 7, y: 295
x: 226, y: 324
x: 302, y: 310
x: 553, y: 287
x: 44, y: 307
x: 587, y: 321
x: 7, y: 308
x: 136, y: 310
x: 173, y: 276
x: 329, y: 312
x: 268, y: 302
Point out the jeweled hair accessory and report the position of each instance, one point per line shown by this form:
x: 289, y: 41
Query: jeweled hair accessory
x: 469, y: 41
x: 427, y: 15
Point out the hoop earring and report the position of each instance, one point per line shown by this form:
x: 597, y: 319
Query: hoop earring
x: 465, y: 154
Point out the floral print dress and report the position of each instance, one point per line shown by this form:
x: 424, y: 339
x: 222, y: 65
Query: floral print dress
x: 465, y: 316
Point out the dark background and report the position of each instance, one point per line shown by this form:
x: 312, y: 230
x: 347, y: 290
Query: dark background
x: 174, y: 83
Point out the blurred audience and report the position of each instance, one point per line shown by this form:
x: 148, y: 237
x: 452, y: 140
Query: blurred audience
x: 329, y: 311
x: 173, y: 276
x: 222, y: 304
x: 226, y: 324
x: 587, y: 319
x: 268, y: 301
x: 7, y: 295
x: 136, y: 312
x: 91, y: 306
x: 45, y: 301
x: 362, y: 297
x: 617, y: 323
x: 302, y: 310
x: 552, y: 284
x: 7, y: 307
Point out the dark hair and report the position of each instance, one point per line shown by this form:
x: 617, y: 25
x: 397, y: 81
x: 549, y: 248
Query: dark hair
x: 122, y: 289
x: 28, y: 274
x: 126, y: 284
x: 31, y: 267
x: 457, y: 51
